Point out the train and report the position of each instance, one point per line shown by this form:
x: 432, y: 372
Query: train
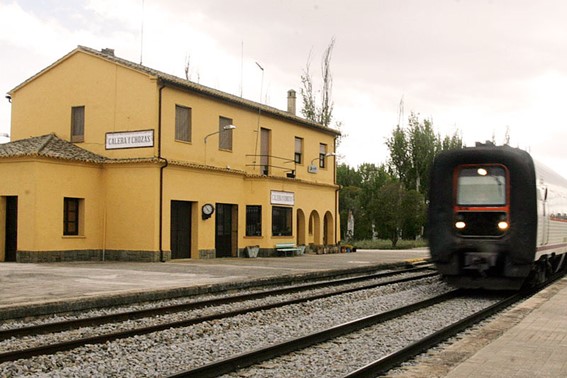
x: 497, y: 218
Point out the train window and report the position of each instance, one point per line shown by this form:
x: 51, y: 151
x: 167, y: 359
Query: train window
x: 481, y: 186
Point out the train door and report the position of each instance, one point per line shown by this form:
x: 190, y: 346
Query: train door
x: 180, y: 229
x: 226, y: 230
x: 545, y: 218
x: 11, y: 228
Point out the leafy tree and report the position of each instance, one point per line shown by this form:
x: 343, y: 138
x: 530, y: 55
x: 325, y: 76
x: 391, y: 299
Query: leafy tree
x: 400, y: 213
x: 413, y: 211
x: 358, y: 194
x: 387, y: 215
x: 423, y: 146
x: 412, y: 151
x: 350, y: 181
x: 373, y: 179
x: 399, y: 164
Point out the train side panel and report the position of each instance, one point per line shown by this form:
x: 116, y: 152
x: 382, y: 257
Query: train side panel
x: 552, y: 212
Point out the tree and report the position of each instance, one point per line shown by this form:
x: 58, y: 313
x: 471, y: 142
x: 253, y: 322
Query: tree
x: 309, y: 109
x: 326, y: 111
x: 399, y: 213
x: 387, y: 215
x: 322, y: 114
x: 358, y: 194
x: 412, y: 151
x: 413, y: 211
x: 423, y: 146
x: 399, y: 164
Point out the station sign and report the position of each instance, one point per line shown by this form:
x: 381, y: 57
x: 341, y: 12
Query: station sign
x: 129, y: 139
x: 282, y: 198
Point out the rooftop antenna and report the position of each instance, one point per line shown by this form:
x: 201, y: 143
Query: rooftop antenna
x: 259, y: 114
x: 262, y: 82
x: 142, y: 35
x: 241, y: 67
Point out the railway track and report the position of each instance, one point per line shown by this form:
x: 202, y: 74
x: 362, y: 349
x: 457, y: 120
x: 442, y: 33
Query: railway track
x: 244, y: 360
x: 377, y: 367
x: 12, y: 355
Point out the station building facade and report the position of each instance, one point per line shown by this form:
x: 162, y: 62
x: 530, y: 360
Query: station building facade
x: 112, y: 160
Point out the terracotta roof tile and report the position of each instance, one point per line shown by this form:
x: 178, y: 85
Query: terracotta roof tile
x: 50, y: 146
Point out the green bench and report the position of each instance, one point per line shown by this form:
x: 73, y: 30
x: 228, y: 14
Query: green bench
x: 282, y: 249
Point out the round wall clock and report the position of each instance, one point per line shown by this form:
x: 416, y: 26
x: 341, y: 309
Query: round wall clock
x: 207, y: 210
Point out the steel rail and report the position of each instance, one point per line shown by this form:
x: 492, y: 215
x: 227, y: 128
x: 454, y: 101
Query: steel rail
x: 247, y: 359
x: 394, y: 359
x: 71, y: 344
x: 144, y: 313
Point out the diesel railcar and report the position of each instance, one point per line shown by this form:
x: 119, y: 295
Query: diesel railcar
x: 497, y: 219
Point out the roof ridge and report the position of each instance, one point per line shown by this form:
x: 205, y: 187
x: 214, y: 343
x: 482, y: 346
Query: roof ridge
x: 45, y: 143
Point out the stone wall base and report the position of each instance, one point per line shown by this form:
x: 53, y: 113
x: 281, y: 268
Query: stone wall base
x: 90, y: 255
x: 206, y: 254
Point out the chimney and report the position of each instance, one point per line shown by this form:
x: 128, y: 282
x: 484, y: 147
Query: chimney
x: 107, y: 51
x: 291, y: 101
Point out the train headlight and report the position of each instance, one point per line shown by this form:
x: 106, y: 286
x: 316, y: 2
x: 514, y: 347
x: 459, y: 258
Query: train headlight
x: 503, y: 225
x: 460, y: 225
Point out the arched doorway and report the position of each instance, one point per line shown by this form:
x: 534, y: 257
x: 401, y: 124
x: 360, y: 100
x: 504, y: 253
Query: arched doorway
x: 328, y: 229
x: 315, y: 228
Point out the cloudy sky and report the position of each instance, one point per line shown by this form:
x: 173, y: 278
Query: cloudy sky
x: 477, y: 67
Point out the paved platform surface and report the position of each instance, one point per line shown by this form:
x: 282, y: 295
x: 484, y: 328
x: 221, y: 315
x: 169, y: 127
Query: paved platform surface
x: 33, y: 288
x: 534, y: 346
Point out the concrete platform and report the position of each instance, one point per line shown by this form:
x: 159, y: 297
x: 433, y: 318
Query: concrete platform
x: 33, y: 289
x: 533, y: 341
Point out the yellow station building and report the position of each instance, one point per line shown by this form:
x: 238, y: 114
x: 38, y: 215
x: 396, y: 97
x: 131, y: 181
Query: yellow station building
x: 112, y: 160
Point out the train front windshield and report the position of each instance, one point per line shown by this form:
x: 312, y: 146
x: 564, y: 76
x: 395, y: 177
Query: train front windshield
x: 481, y: 186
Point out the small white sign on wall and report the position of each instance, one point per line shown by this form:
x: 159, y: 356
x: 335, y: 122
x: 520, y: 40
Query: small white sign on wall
x: 282, y: 198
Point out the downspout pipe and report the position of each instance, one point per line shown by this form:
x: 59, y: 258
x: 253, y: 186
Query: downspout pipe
x: 337, y: 237
x: 161, y: 253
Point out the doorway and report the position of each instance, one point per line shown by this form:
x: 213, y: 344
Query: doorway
x: 226, y: 230
x: 11, y: 231
x: 181, y: 229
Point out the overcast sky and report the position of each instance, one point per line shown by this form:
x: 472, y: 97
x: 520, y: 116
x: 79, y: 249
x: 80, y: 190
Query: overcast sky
x: 476, y: 67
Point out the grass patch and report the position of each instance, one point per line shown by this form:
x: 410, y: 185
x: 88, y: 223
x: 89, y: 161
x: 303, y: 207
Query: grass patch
x: 387, y: 244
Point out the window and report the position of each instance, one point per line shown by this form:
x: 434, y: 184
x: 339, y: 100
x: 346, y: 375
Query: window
x: 182, y: 123
x: 225, y: 135
x: 322, y: 155
x: 254, y: 220
x: 281, y: 221
x: 298, y: 157
x: 265, y: 139
x: 77, y: 124
x: 482, y: 186
x: 71, y: 209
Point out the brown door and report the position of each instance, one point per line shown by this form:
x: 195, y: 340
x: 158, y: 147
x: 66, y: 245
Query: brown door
x: 226, y: 225
x: 180, y: 229
x: 11, y: 241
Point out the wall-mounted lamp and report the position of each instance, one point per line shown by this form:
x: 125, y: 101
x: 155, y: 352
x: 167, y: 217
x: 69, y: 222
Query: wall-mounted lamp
x: 312, y: 168
x: 326, y: 156
x: 9, y: 98
x: 225, y: 128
